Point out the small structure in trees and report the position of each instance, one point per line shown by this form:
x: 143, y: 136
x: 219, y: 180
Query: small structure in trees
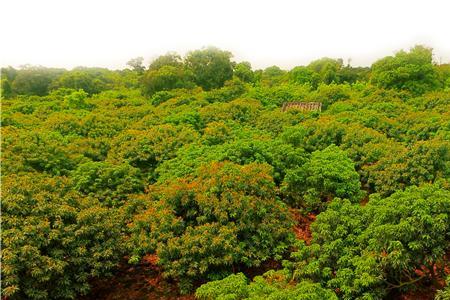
x: 302, y: 106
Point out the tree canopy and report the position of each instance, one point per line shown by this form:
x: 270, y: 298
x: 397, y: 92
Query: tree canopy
x: 186, y: 176
x: 412, y: 71
x: 211, y: 67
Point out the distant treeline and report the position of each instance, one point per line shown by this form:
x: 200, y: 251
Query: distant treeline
x: 211, y: 68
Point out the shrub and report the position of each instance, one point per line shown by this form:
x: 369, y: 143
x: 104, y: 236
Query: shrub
x: 272, y: 285
x: 146, y: 149
x: 53, y: 239
x: 229, y: 218
x: 106, y: 182
x: 391, y: 243
x: 328, y: 174
x: 36, y: 151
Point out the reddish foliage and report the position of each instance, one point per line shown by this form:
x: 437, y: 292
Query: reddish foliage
x: 302, y: 225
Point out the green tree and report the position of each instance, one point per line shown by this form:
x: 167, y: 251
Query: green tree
x: 35, y: 80
x: 231, y: 90
x: 444, y: 75
x: 282, y: 157
x: 90, y: 80
x: 444, y: 293
x: 365, y: 251
x: 136, y: 64
x: 239, y: 110
x: 272, y: 76
x: 243, y: 71
x: 6, y: 88
x: 106, y: 182
x: 167, y: 78
x: 412, y: 71
x: 224, y: 217
x: 211, y: 67
x: 423, y: 162
x: 328, y: 174
x: 271, y: 93
x: 146, y: 149
x: 36, y: 151
x: 7, y: 76
x: 271, y: 285
x: 53, y: 240
x: 171, y: 59
x: 350, y: 74
x: 328, y: 94
x: 327, y: 69
x: 9, y: 73
x: 304, y: 75
x: 99, y: 124
x: 76, y: 100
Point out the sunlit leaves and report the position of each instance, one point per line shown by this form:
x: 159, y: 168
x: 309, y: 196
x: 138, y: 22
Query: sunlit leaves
x: 271, y: 285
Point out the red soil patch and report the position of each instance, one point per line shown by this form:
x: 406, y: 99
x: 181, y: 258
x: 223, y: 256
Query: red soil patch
x: 136, y: 282
x: 302, y: 225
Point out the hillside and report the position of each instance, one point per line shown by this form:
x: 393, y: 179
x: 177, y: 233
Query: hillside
x: 186, y: 179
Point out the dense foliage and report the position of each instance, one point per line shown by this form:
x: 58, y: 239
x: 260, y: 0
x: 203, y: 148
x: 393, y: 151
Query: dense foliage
x: 327, y: 174
x: 225, y: 215
x: 271, y: 285
x: 53, y: 239
x: 364, y: 251
x: 192, y: 161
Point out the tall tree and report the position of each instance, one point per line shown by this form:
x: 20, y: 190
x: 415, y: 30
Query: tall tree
x: 412, y: 71
x: 327, y: 69
x: 169, y: 59
x: 211, y: 67
x: 91, y: 80
x: 136, y: 64
x: 166, y: 78
x: 243, y: 71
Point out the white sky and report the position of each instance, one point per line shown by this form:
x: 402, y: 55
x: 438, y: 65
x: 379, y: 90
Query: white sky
x: 69, y: 33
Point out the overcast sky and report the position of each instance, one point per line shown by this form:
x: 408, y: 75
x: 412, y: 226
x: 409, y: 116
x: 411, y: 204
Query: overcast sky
x: 69, y: 33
